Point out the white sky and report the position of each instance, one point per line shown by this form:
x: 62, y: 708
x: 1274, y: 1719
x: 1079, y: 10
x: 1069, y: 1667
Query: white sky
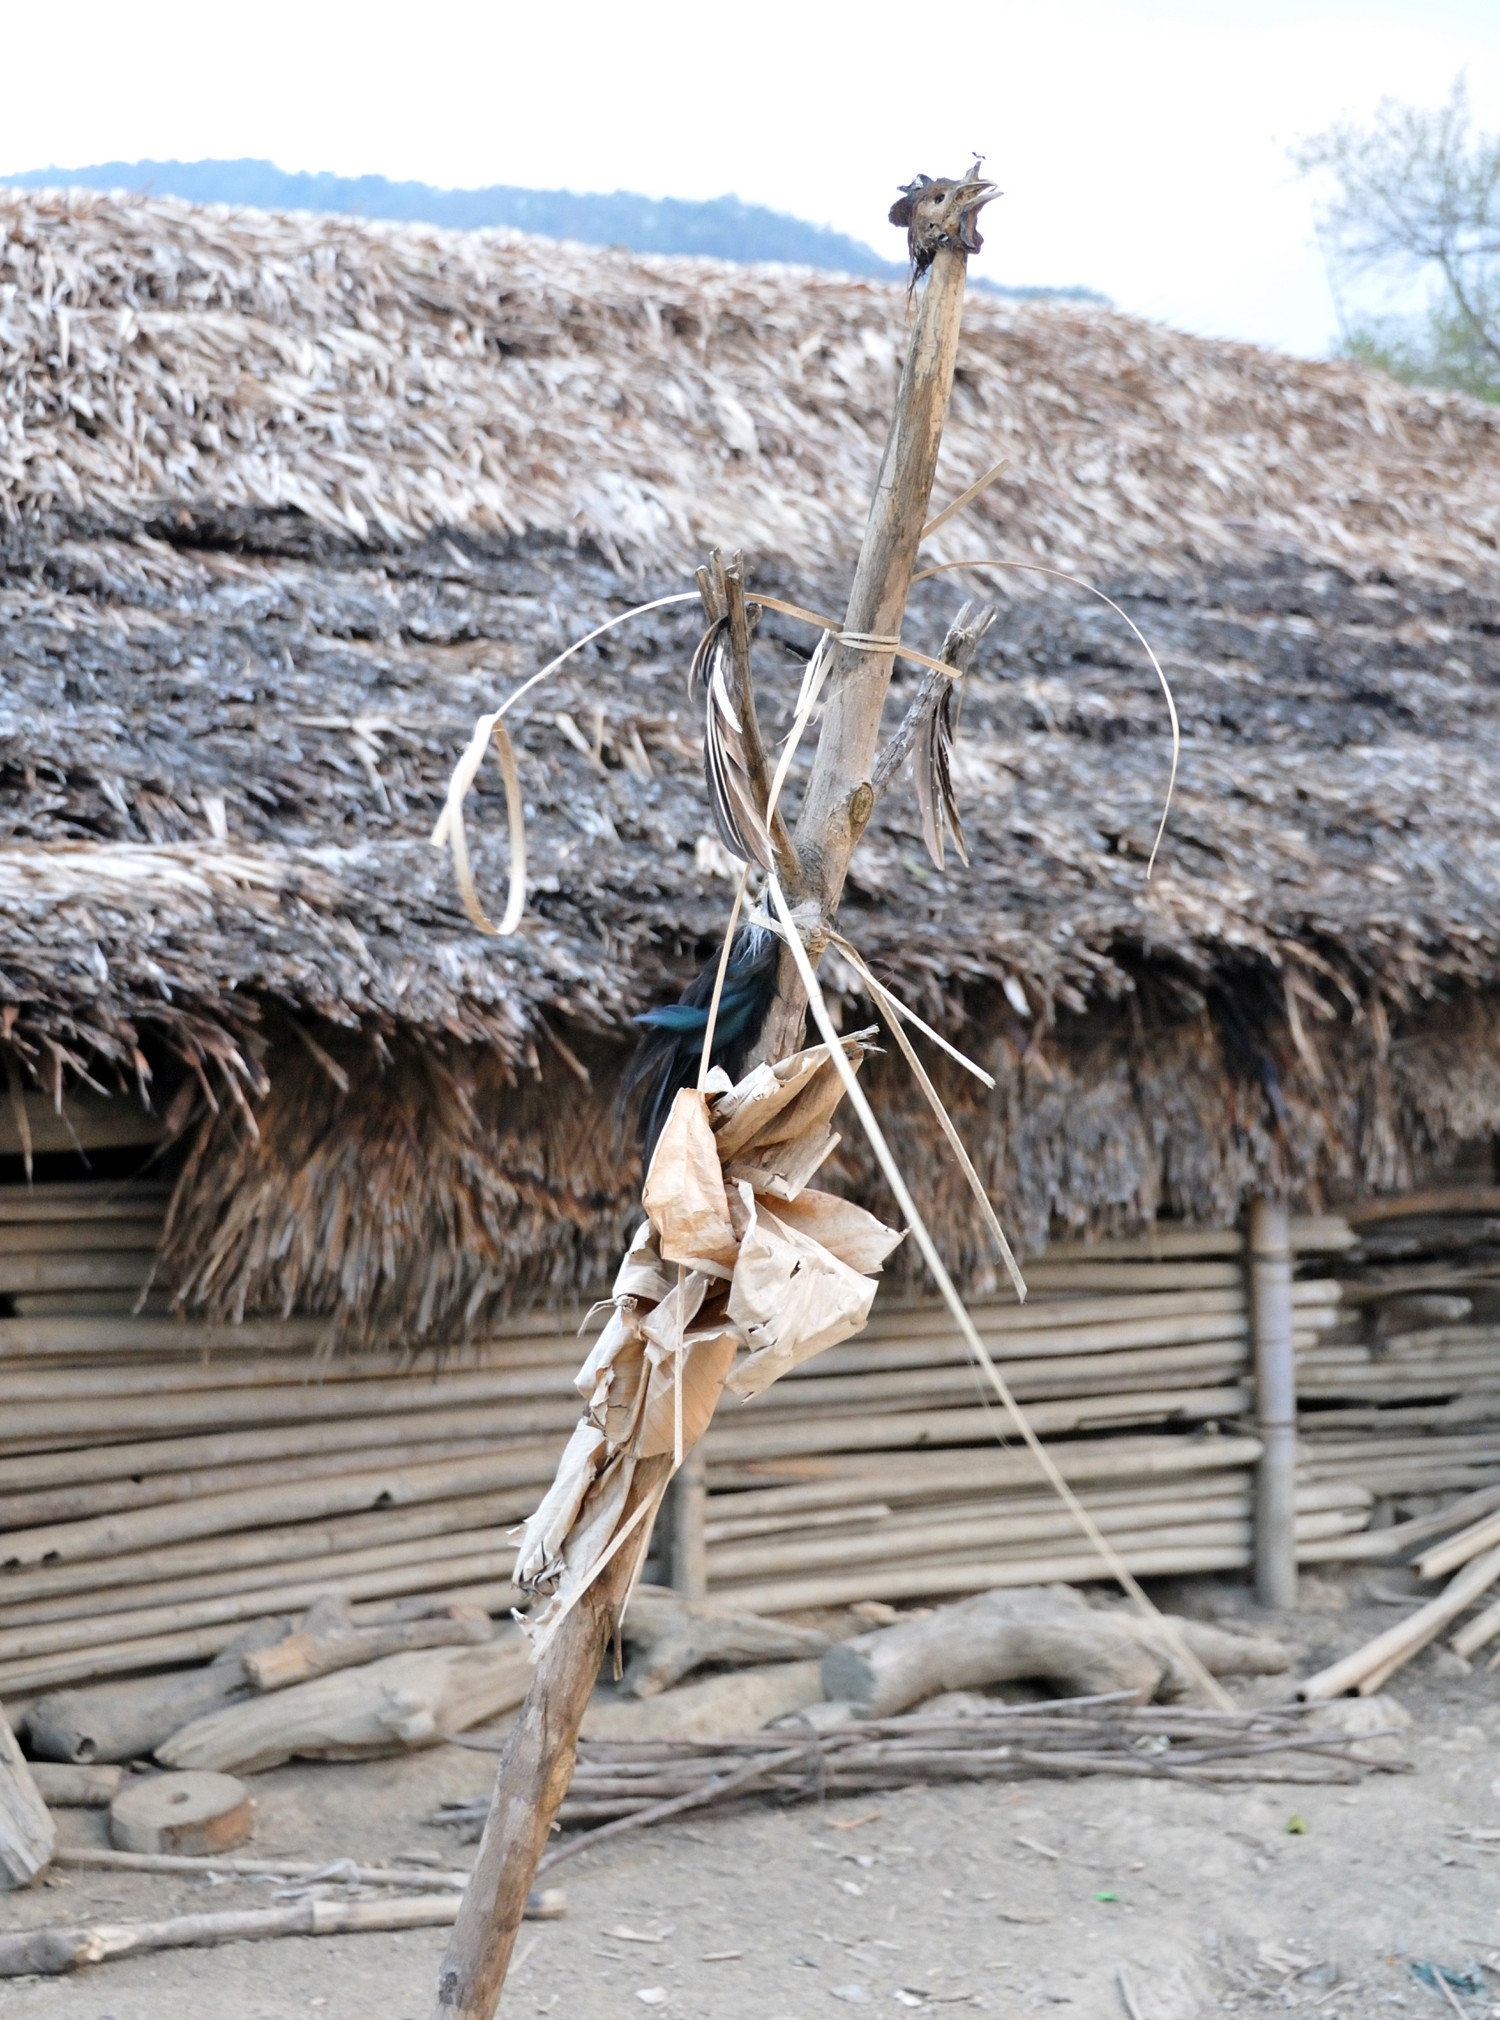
x: 1140, y: 143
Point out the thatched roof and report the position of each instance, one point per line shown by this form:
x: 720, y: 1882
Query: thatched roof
x: 288, y: 500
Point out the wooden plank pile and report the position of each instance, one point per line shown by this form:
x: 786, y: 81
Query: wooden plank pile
x: 1132, y: 1358
x: 1402, y: 1394
x: 164, y: 1484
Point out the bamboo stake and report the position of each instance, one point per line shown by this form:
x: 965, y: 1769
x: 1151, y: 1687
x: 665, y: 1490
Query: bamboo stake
x: 51, y: 1952
x: 535, y: 1771
x: 897, y: 1429
x: 290, y: 1500
x: 1270, y: 1263
x: 259, y: 1556
x: 935, y: 1577
x: 484, y: 1554
x: 1482, y: 1535
x: 1369, y: 1667
x: 835, y: 807
x: 307, y: 1409
x: 919, y: 1475
x: 100, y: 1858
x: 46, y: 1506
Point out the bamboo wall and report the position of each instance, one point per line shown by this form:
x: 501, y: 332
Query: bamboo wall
x: 162, y: 1483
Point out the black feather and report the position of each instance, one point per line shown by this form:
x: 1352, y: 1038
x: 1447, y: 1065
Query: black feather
x: 668, y: 1055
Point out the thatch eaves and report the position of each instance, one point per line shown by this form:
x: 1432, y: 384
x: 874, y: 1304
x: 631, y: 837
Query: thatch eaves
x: 288, y: 501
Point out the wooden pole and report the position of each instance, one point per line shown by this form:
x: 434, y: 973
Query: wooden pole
x: 689, y: 1506
x: 840, y: 796
x: 535, y: 1771
x: 1270, y: 1258
x: 538, y: 1761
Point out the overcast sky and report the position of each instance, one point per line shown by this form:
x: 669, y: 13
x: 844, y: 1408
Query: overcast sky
x: 1140, y: 143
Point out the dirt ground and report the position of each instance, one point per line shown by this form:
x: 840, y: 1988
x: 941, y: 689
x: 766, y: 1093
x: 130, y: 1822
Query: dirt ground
x: 1010, y: 1900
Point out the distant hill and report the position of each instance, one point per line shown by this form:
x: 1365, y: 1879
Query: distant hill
x: 723, y: 229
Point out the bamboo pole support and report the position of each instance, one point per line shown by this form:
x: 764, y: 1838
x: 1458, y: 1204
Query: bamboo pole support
x: 689, y: 1510
x: 840, y: 797
x: 535, y: 1772
x: 1270, y: 1259
x: 538, y: 1762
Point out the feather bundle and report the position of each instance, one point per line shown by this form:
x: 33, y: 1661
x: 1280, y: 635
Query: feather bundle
x: 932, y: 772
x: 671, y: 1045
x: 738, y: 817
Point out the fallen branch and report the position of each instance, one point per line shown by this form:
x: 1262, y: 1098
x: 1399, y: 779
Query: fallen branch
x: 310, y: 1653
x: 417, y: 1879
x: 53, y: 1952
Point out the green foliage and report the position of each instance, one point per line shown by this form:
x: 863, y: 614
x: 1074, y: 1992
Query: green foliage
x: 1415, y: 197
x: 1438, y: 349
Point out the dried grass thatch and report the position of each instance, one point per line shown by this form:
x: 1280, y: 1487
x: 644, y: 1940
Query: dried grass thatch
x: 287, y: 501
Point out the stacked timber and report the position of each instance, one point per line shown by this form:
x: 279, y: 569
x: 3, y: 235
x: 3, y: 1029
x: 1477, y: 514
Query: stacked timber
x: 166, y: 1484
x: 1402, y: 1395
x: 1130, y: 1358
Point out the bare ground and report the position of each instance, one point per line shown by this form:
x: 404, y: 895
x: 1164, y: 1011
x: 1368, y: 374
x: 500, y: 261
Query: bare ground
x: 1011, y: 1900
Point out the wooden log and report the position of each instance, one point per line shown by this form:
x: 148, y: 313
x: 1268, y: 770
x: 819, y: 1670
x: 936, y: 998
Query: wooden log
x: 1459, y: 1199
x: 522, y: 1464
x: 935, y: 1578
x: 921, y: 1476
x: 153, y: 1302
x: 351, y: 1377
x: 285, y: 1554
x: 1316, y: 1234
x: 27, y: 1836
x: 128, y: 1270
x: 124, y: 1722
x: 1157, y: 1366
x: 46, y: 1507
x: 98, y: 1199
x: 52, y: 1673
x: 1171, y: 1276
x: 188, y: 1814
x: 686, y: 1505
x: 1369, y: 1667
x: 487, y: 1554
x: 101, y: 1858
x: 545, y: 1394
x: 403, y: 1701
x: 82, y: 1121
x: 1270, y: 1262
x: 1003, y: 1637
x: 856, y: 1515
x: 63, y: 1787
x: 1478, y: 1632
x: 1205, y: 1530
x: 257, y: 1557
x: 900, y: 1429
x: 307, y: 1654
x: 671, y: 1635
x: 996, y: 1319
x: 41, y: 1337
x: 533, y: 1778
x: 1445, y: 1557
x: 52, y: 1952
x: 940, y: 1347
x: 945, y: 1533
x: 67, y: 1237
x: 1157, y: 1243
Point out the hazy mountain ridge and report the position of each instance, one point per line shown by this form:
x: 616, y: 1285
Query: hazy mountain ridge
x: 722, y: 228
